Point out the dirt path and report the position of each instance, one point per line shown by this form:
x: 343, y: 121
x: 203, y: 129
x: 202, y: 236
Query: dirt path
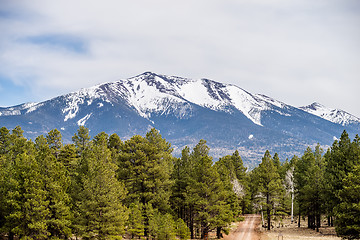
x: 246, y: 229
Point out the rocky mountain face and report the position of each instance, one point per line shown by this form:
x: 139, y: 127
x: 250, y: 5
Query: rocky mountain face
x: 185, y: 111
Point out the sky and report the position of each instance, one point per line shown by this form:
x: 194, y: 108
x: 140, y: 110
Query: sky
x: 297, y: 52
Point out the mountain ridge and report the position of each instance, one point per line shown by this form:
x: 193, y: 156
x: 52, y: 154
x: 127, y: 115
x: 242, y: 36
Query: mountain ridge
x: 334, y: 115
x: 184, y: 110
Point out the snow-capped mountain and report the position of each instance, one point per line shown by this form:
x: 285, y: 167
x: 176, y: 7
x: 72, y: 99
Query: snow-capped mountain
x: 185, y: 111
x: 156, y: 94
x: 333, y: 115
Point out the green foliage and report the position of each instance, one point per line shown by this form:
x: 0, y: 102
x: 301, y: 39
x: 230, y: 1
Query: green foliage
x: 57, y: 182
x: 309, y: 179
x: 97, y: 189
x: 161, y: 226
x: 81, y: 138
x: 68, y: 157
x: 340, y: 160
x: 4, y: 140
x: 348, y: 211
x: 54, y: 140
x: 145, y: 166
x: 26, y: 204
x: 114, y: 145
x: 233, y: 175
x: 101, y: 212
x: 269, y: 184
x: 182, y: 231
x: 135, y: 222
x: 206, y: 193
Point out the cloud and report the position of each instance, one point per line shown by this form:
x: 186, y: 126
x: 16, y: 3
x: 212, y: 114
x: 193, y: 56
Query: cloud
x: 296, y: 51
x: 57, y: 42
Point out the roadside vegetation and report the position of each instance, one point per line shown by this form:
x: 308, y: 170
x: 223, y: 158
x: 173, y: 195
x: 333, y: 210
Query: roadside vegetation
x: 106, y: 188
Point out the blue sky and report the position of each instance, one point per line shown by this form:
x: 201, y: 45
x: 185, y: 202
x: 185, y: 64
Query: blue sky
x: 297, y: 51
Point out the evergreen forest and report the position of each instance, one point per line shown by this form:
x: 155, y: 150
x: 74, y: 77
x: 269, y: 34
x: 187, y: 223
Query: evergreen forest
x: 102, y: 187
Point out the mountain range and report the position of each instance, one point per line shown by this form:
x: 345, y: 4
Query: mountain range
x: 185, y: 111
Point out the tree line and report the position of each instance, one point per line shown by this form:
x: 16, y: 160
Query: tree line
x: 315, y: 185
x: 103, y: 188
x: 106, y: 188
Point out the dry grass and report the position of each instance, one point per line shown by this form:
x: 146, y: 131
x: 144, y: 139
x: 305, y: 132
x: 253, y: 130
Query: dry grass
x: 288, y: 231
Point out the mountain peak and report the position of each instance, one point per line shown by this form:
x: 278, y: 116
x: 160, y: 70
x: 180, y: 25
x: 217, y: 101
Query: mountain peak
x: 316, y: 105
x: 147, y: 74
x: 333, y: 115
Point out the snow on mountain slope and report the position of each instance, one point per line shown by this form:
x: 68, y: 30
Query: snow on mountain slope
x: 151, y: 94
x: 147, y: 94
x: 75, y: 99
x: 270, y: 100
x: 20, y: 109
x: 333, y: 115
x: 196, y: 92
x: 218, y: 97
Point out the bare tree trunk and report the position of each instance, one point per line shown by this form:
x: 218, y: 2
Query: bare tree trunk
x: 318, y: 222
x: 218, y: 232
x: 292, y: 207
x: 204, y: 232
x: 191, y: 228
x: 268, y: 211
x: 11, y: 236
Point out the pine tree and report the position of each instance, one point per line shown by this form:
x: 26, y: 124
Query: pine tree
x: 339, y: 162
x: 4, y: 140
x: 3, y: 176
x: 145, y: 166
x: 114, y: 145
x: 26, y: 204
x: 18, y: 144
x: 69, y: 158
x: 309, y: 173
x: 161, y: 226
x: 81, y: 138
x: 181, y: 176
x: 102, y: 214
x: 240, y: 170
x: 348, y: 211
x: 56, y: 182
x: 190, y: 162
x: 182, y: 231
x: 18, y: 170
x: 135, y: 223
x: 270, y: 186
x: 206, y: 193
x: 54, y: 140
x: 277, y: 163
x: 4, y: 148
x: 233, y: 175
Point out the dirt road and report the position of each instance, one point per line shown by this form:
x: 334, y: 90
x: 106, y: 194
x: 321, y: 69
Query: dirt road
x: 246, y: 229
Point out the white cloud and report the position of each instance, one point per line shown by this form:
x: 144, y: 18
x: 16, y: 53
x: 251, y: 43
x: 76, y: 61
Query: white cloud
x: 296, y: 51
